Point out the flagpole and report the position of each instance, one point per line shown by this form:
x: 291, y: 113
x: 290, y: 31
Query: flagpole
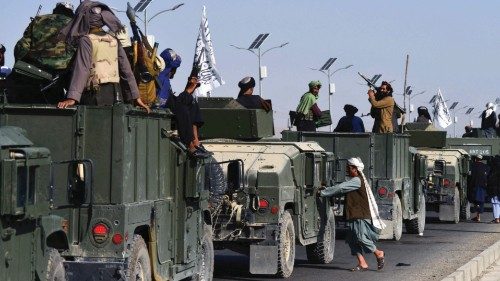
x: 404, y: 88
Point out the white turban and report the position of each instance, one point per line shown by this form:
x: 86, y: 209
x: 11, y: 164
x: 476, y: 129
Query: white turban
x: 356, y: 161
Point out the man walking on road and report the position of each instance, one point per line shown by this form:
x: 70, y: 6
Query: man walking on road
x: 363, y: 220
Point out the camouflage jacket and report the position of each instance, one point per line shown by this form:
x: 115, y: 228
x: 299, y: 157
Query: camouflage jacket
x: 40, y: 46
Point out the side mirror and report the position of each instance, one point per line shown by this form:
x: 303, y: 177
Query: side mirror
x: 234, y: 175
x: 79, y: 182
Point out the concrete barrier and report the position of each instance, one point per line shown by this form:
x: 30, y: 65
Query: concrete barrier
x: 477, y: 265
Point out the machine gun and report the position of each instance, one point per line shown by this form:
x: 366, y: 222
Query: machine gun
x: 142, y: 59
x: 371, y: 82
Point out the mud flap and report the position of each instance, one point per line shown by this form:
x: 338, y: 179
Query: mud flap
x: 263, y: 259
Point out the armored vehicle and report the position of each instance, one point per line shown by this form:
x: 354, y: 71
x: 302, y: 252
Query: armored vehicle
x: 142, y: 212
x: 393, y: 170
x: 29, y: 230
x: 446, y: 188
x: 271, y: 201
x: 476, y: 146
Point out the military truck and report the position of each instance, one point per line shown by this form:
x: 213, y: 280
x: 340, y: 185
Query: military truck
x: 394, y: 171
x: 270, y: 202
x: 446, y: 188
x: 29, y: 230
x: 476, y: 146
x: 141, y: 211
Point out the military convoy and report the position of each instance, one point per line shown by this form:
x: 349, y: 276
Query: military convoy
x: 264, y: 192
x: 30, y: 232
x: 394, y: 171
x: 448, y: 168
x: 129, y: 204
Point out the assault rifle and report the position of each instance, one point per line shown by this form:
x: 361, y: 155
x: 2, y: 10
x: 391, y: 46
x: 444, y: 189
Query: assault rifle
x: 371, y: 82
x: 37, y: 13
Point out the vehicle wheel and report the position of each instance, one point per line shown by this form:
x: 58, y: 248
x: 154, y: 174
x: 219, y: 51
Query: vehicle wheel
x: 286, y: 246
x: 323, y: 250
x: 215, y: 182
x: 456, y: 206
x: 465, y: 211
x: 397, y: 218
x: 139, y: 265
x: 55, y: 267
x: 417, y: 225
x: 206, y: 257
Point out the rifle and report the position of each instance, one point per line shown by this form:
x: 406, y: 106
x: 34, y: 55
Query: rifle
x: 195, y: 71
x: 369, y: 83
x: 144, y: 74
x: 51, y: 84
x: 37, y: 12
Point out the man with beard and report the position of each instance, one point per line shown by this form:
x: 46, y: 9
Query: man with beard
x: 100, y: 60
x: 382, y: 108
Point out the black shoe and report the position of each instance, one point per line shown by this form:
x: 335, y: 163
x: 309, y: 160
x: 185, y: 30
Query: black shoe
x: 202, y: 149
x: 199, y: 154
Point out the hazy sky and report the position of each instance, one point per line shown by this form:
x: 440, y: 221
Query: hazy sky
x: 453, y: 45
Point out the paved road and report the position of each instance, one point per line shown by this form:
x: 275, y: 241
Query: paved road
x: 443, y: 248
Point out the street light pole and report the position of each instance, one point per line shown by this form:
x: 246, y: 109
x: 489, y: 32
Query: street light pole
x: 329, y: 75
x: 409, y: 103
x: 141, y: 6
x: 256, y: 46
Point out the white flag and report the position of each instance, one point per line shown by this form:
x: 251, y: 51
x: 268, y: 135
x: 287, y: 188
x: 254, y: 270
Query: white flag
x: 208, y: 77
x: 441, y: 113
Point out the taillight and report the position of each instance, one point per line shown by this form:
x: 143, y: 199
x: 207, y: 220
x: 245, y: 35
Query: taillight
x: 275, y: 210
x: 100, y: 232
x: 446, y: 183
x: 263, y: 204
x: 117, y: 239
x: 382, y: 191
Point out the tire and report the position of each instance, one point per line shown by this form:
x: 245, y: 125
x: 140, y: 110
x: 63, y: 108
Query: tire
x: 417, y: 225
x: 206, y: 257
x: 465, y: 211
x: 55, y: 267
x: 323, y: 250
x: 286, y: 246
x: 215, y: 182
x: 139, y: 265
x: 397, y: 218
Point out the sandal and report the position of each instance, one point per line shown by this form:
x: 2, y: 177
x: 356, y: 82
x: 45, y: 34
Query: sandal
x: 359, y: 268
x: 381, y: 262
x: 476, y: 219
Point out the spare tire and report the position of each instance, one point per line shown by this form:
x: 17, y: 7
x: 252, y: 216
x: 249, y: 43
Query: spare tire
x: 215, y: 181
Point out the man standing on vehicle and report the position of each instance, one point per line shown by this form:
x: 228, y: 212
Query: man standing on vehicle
x: 350, y: 123
x: 100, y: 61
x: 40, y: 47
x: 308, y: 111
x: 382, y: 108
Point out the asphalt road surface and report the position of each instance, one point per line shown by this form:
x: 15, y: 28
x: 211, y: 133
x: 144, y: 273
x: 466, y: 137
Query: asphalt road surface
x: 442, y: 249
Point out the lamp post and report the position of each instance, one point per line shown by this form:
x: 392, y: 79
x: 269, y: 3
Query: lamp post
x: 256, y: 44
x: 325, y: 69
x: 410, y: 96
x: 141, y: 7
x: 455, y: 118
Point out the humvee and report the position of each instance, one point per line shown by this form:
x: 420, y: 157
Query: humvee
x: 394, y: 171
x: 30, y: 232
x: 446, y: 188
x: 140, y: 208
x: 264, y: 191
